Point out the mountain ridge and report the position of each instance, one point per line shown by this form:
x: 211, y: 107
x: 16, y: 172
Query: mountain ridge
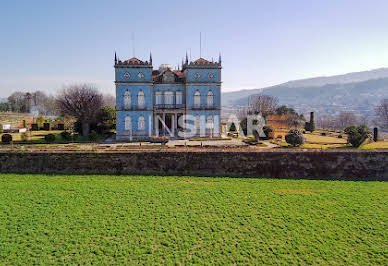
x: 357, y: 92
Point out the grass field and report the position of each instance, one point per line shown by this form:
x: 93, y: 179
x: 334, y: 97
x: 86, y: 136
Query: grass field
x: 36, y: 136
x: 317, y: 139
x: 183, y: 220
x: 376, y: 145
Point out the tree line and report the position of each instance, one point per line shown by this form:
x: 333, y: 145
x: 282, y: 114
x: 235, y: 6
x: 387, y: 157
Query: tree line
x: 81, y: 104
x: 268, y: 105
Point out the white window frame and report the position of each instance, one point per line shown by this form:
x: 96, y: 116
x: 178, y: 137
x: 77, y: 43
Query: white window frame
x: 168, y: 97
x: 197, y: 123
x: 128, y: 123
x: 141, y: 123
x: 127, y: 100
x: 141, y: 99
x: 179, y: 97
x: 210, y: 98
x: 197, y: 99
x: 159, y: 97
x: 210, y: 122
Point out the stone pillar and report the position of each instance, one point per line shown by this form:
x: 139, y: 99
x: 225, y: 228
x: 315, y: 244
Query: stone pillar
x: 375, y: 134
x: 156, y: 125
x: 164, y: 124
x: 173, y: 124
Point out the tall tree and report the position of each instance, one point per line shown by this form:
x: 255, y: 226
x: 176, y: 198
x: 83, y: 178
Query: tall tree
x: 382, y: 115
x: 82, y: 101
x: 19, y: 102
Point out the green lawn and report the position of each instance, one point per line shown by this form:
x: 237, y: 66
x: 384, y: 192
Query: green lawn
x: 153, y: 220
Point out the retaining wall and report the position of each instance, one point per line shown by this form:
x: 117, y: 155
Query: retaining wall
x: 368, y: 165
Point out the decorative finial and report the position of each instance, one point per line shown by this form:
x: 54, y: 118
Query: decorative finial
x: 187, y: 59
x: 219, y: 59
x: 115, y: 58
x: 150, y: 58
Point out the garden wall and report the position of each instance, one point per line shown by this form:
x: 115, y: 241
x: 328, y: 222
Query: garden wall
x: 368, y: 165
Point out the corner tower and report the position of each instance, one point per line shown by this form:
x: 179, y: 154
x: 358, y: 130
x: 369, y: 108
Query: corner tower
x: 133, y: 80
x: 203, y: 92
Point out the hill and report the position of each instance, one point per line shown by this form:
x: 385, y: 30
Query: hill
x: 358, y: 92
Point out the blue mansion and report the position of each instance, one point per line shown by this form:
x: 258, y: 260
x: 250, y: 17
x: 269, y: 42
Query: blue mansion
x: 179, y: 103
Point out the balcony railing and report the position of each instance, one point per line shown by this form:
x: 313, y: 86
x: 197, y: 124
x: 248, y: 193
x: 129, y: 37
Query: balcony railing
x: 132, y: 108
x: 204, y: 107
x: 168, y: 106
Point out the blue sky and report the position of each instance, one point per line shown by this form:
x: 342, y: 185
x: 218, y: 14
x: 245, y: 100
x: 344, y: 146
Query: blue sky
x: 48, y: 44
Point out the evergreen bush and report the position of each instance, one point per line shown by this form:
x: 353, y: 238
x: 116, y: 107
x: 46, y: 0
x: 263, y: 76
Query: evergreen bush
x: 49, y: 138
x: 6, y: 138
x: 358, y: 135
x: 295, y: 138
x: 93, y: 136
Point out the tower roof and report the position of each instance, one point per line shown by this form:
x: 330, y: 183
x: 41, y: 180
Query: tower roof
x: 134, y: 62
x: 202, y: 63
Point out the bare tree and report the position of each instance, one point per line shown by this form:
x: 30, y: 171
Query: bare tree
x: 82, y: 101
x: 263, y: 104
x: 346, y: 119
x: 363, y: 120
x: 382, y: 115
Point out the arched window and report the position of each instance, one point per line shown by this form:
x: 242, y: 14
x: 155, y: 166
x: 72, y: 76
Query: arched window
x: 159, y: 96
x: 128, y: 123
x: 197, y: 99
x: 210, y: 99
x: 179, y: 97
x: 127, y: 100
x: 209, y: 122
x: 197, y: 122
x: 141, y: 123
x: 140, y: 99
x: 169, y: 97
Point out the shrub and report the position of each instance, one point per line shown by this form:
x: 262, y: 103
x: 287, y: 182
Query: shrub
x: 349, y: 129
x: 267, y: 131
x: 49, y: 138
x: 295, y: 138
x: 66, y: 135
x: 340, y: 136
x: 6, y: 138
x: 309, y: 126
x: 47, y: 126
x: 232, y: 127
x: 1, y: 128
x: 93, y: 135
x: 323, y: 134
x: 34, y: 127
x: 24, y: 136
x: 358, y: 135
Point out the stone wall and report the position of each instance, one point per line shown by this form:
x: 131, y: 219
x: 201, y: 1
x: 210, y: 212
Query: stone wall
x: 367, y: 165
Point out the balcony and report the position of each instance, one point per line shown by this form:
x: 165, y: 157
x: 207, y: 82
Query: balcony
x: 132, y: 108
x: 204, y: 107
x: 169, y: 106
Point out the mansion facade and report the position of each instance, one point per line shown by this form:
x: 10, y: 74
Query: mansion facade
x: 179, y: 103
